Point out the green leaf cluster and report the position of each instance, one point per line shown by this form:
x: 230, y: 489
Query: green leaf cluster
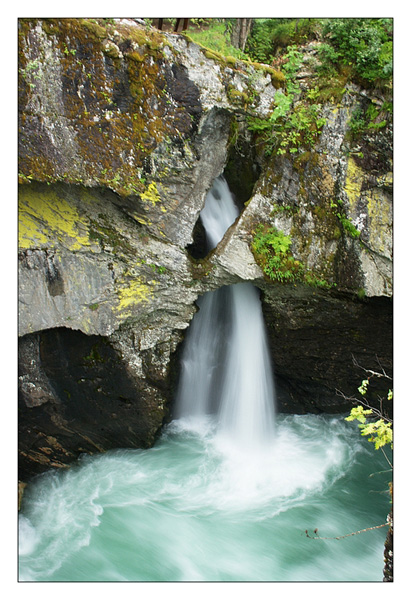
x: 379, y: 431
x: 359, y: 414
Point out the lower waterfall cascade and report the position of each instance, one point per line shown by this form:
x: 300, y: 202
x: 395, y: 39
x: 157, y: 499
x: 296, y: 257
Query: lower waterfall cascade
x: 226, y: 366
x: 230, y: 487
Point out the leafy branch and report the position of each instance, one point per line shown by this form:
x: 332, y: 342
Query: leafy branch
x: 380, y: 430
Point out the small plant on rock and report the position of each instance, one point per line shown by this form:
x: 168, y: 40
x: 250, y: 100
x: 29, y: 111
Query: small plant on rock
x: 271, y: 248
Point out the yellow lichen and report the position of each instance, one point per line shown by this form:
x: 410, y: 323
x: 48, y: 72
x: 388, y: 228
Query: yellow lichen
x: 378, y: 207
x: 385, y: 180
x: 380, y: 221
x: 133, y: 293
x: 353, y: 182
x: 46, y: 219
x: 151, y: 194
x: 141, y: 220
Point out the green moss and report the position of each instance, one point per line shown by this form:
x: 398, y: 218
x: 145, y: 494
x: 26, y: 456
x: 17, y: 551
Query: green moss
x: 214, y: 55
x: 237, y: 97
x: 151, y: 38
x: 91, y: 25
x: 302, y: 160
x: 278, y: 79
x: 137, y: 56
x: 231, y: 60
x: 121, y: 139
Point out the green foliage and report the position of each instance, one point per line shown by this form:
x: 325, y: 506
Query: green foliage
x: 301, y: 129
x: 294, y: 59
x: 259, y: 44
x: 369, y: 117
x: 272, y: 251
x: 359, y: 47
x: 380, y: 430
x: 359, y: 414
x: 289, y: 127
x: 358, y: 123
x: 363, y: 44
x: 292, y: 124
x: 216, y: 37
x: 269, y: 36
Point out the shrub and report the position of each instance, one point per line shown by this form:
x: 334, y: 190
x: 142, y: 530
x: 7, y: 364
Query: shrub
x: 270, y: 36
x: 364, y: 44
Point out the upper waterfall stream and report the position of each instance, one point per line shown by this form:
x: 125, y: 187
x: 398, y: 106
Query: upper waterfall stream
x: 230, y: 487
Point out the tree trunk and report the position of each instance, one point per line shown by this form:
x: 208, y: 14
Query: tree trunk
x: 388, y: 553
x: 240, y: 33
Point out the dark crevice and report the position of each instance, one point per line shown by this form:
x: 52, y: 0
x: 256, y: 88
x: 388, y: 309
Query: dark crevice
x: 198, y: 248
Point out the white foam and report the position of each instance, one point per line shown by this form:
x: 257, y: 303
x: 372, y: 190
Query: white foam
x: 28, y: 537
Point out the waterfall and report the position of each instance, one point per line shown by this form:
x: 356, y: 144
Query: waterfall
x: 219, y: 497
x: 226, y: 368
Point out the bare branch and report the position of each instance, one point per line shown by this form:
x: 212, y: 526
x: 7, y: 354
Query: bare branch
x: 386, y: 457
x: 370, y: 372
x: 340, y: 537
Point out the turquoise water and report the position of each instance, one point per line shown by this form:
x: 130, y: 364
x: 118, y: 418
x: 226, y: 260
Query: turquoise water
x: 195, y: 508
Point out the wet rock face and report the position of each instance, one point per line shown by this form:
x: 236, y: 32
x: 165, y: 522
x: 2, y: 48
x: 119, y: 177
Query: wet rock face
x: 314, y: 338
x: 85, y: 264
x: 79, y: 395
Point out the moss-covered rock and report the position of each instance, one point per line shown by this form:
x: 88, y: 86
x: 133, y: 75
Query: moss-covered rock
x: 94, y: 101
x: 337, y: 211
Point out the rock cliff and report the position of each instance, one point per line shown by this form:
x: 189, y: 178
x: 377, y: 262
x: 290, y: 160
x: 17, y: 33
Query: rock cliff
x: 122, y: 130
